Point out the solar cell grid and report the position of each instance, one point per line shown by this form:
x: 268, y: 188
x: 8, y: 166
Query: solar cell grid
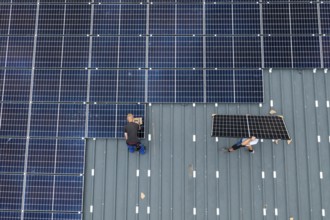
x: 219, y: 52
x: 161, y: 85
x: 10, y: 215
x: 20, y: 52
x: 306, y: 51
x: 304, y: 19
x: 248, y: 86
x: 246, y: 19
x: 5, y: 17
x: 11, y: 191
x: 189, y: 86
x: 12, y: 154
x: 161, y: 52
x: 16, y: 85
x: 14, y: 118
x: 23, y: 19
x: 220, y: 86
x: 242, y: 126
x: 230, y: 126
x: 277, y: 51
x: 103, y: 85
x: 325, y: 18
x: 162, y: 19
x: 105, y: 52
x: 268, y: 127
x: 106, y: 19
x: 326, y: 51
x: 276, y: 19
x: 51, y: 19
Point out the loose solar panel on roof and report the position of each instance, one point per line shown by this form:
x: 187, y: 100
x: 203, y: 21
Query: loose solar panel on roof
x: 262, y: 127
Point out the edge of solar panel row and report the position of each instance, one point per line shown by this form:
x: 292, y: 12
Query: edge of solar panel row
x: 240, y: 126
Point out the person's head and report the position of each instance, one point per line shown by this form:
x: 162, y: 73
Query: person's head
x: 253, y: 138
x: 130, y: 117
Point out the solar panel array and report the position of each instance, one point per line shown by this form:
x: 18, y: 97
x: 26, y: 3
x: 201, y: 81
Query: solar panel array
x: 73, y: 69
x: 265, y: 127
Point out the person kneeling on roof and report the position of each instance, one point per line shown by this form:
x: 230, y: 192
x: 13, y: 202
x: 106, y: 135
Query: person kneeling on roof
x: 244, y: 142
x: 131, y: 136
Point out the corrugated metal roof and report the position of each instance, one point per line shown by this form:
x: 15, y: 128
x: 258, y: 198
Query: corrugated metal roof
x: 183, y: 179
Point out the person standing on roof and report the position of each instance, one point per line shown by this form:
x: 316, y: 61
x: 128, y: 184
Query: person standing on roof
x: 244, y: 142
x: 131, y: 136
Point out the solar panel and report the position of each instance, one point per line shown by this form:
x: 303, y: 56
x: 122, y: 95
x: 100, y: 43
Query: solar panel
x: 11, y: 191
x: 54, y: 193
x: 265, y: 127
x: 12, y: 154
x: 108, y: 120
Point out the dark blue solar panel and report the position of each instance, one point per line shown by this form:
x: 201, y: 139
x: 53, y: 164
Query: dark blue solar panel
x: 39, y: 192
x: 10, y: 215
x: 42, y: 156
x: 51, y: 18
x: 11, y: 192
x: 78, y: 19
x: 326, y: 51
x: 219, y: 52
x: 325, y: 18
x: 12, y: 154
x: 106, y: 19
x: 277, y: 51
x: 123, y: 110
x: 306, y: 51
x: 189, y: 86
x: 68, y: 193
x: 23, y: 19
x: 161, y: 85
x: 74, y: 86
x: 103, y: 85
x: 20, y: 52
x: 276, y: 18
x: 131, y: 86
x: 67, y: 216
x: 49, y: 215
x: 105, y: 52
x: 304, y: 18
x: 48, y: 52
x: 5, y: 13
x: 102, y: 121
x: 129, y: 57
x: 248, y: 86
x: 54, y: 193
x: 219, y: 86
x: 44, y: 120
x: 46, y: 85
x: 17, y: 85
x: 3, y: 49
x: 219, y: 19
x: 70, y: 157
x: 162, y: 52
x: 75, y: 52
x: 247, y: 52
x: 72, y: 120
x: 189, y: 52
x: 246, y: 18
x: 14, y: 120
x: 190, y: 19
x: 37, y: 216
x: 133, y: 19
x: 162, y: 19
